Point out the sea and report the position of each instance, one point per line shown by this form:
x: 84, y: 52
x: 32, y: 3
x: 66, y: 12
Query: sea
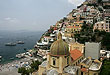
x: 8, y: 52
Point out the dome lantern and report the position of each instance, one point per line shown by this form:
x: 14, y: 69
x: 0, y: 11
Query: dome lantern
x: 59, y: 36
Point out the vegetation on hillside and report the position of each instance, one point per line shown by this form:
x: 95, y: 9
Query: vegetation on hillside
x: 88, y: 35
x: 33, y: 67
x: 105, y: 68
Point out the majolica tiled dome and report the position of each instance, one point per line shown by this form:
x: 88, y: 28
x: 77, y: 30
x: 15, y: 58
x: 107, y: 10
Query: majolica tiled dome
x: 59, y: 47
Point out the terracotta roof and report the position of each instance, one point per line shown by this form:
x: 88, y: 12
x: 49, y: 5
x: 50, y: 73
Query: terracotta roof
x: 83, y: 69
x: 79, y: 21
x: 47, y: 37
x: 73, y: 27
x: 69, y: 26
x: 75, y: 54
x: 55, y: 28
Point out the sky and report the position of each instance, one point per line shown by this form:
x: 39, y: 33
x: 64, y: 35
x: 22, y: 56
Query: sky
x: 33, y: 15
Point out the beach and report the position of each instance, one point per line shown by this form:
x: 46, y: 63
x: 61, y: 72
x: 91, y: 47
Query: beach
x: 12, y: 68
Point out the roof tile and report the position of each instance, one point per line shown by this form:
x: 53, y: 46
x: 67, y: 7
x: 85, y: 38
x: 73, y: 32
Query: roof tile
x: 75, y: 54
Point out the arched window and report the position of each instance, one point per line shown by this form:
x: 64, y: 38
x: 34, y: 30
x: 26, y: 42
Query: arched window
x: 54, y: 61
x: 67, y: 60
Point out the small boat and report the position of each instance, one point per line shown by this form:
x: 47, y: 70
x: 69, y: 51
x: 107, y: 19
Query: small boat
x: 20, y: 42
x: 20, y: 55
x: 10, y: 44
x: 12, y: 58
x: 0, y: 57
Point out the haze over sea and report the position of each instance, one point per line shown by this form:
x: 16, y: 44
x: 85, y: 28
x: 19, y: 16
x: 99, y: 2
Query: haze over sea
x: 29, y: 37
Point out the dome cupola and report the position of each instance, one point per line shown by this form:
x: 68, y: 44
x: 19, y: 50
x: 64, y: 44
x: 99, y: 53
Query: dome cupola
x: 59, y: 47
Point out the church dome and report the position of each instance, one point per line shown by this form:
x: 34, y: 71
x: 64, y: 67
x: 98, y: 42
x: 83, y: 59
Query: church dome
x: 59, y: 47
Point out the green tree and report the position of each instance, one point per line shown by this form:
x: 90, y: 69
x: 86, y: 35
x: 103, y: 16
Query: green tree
x: 105, y: 70
x: 26, y: 71
x: 23, y: 71
x: 106, y: 40
x: 99, y: 1
x: 35, y: 65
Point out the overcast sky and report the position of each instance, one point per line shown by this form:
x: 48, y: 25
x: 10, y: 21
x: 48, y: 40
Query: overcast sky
x: 33, y: 15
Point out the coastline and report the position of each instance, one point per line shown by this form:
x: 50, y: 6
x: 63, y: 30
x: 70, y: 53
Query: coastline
x: 8, y: 52
x: 12, y: 67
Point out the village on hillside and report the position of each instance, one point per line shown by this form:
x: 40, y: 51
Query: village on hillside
x: 78, y: 44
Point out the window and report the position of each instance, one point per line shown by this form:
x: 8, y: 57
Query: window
x: 97, y: 24
x: 81, y: 58
x: 81, y: 73
x: 107, y: 21
x: 106, y: 27
x: 67, y: 60
x: 54, y: 61
x: 76, y: 63
x: 76, y: 47
x: 95, y: 73
x: 106, y: 30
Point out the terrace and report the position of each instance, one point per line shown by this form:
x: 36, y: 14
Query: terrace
x: 71, y: 70
x: 96, y: 65
x: 87, y: 61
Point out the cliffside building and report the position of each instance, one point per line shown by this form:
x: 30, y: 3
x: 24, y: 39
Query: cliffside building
x: 92, y: 50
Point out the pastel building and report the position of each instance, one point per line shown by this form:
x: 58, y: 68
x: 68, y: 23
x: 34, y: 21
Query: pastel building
x: 77, y: 46
x: 76, y: 57
x: 90, y: 67
x: 102, y: 26
x: 92, y: 1
x: 73, y: 28
x: 106, y: 3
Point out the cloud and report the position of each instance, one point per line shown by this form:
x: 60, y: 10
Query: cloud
x: 7, y: 18
x: 76, y: 2
x: 10, y: 23
x: 11, y: 20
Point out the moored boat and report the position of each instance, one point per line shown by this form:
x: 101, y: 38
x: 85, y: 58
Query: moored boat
x: 12, y: 58
x: 0, y: 57
x: 20, y: 55
x: 20, y: 42
x: 10, y: 44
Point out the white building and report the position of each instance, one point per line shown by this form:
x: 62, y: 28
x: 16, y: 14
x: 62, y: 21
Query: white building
x: 92, y: 50
x: 104, y: 54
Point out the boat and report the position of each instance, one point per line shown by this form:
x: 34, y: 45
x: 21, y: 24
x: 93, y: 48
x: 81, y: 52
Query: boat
x: 12, y: 58
x: 10, y: 44
x: 0, y: 57
x: 20, y: 55
x: 20, y: 42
